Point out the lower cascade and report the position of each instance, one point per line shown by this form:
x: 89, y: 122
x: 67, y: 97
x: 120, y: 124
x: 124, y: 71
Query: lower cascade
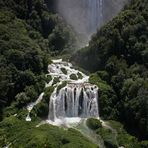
x: 74, y: 100
x: 73, y: 97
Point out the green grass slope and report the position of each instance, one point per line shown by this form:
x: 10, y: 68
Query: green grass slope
x: 18, y: 133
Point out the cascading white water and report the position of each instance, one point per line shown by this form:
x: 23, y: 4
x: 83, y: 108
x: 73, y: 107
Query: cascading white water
x: 77, y: 99
x: 74, y: 100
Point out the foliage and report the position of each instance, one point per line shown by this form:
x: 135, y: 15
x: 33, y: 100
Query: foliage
x: 47, y: 92
x: 41, y: 110
x: 64, y: 70
x: 123, y: 138
x: 28, y: 38
x: 144, y: 144
x: 21, y: 62
x: 56, y: 80
x: 48, y: 78
x: 108, y: 137
x: 125, y: 37
x: 73, y: 77
x: 106, y: 95
x: 64, y: 83
x: 93, y: 123
x: 79, y: 75
x: 19, y: 133
x: 117, y: 54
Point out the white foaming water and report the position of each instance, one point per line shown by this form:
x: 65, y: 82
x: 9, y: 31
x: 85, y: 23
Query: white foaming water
x: 76, y: 100
x: 31, y: 105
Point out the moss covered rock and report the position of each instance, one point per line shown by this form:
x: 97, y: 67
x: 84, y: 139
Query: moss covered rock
x: 61, y: 86
x: 56, y: 80
x: 73, y: 77
x: 64, y: 71
x: 79, y: 75
x: 93, y: 123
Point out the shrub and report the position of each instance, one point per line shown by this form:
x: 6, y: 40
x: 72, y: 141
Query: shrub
x: 56, y: 80
x: 22, y: 99
x: 79, y: 75
x: 41, y: 109
x: 73, y: 77
x: 48, y: 78
x: 93, y: 123
x: 64, y: 70
x: 47, y: 92
x: 61, y: 86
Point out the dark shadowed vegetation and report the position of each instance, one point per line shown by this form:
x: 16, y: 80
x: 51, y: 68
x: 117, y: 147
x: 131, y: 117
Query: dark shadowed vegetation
x: 30, y: 33
x: 118, y: 54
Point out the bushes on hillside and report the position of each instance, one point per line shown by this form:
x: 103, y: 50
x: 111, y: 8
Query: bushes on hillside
x: 120, y: 50
x: 93, y: 123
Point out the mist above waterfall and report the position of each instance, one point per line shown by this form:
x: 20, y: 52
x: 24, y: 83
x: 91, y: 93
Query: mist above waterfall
x: 83, y: 15
x: 86, y: 16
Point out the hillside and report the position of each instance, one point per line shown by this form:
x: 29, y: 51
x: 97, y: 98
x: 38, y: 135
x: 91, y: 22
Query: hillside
x: 30, y: 34
x: 118, y: 54
x: 47, y: 102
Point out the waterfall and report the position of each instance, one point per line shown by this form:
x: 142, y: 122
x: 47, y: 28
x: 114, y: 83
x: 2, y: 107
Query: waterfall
x: 95, y: 14
x: 84, y: 15
x: 76, y: 99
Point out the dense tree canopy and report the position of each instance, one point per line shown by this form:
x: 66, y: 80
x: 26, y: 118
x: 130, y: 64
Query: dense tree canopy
x: 119, y: 52
x: 30, y: 32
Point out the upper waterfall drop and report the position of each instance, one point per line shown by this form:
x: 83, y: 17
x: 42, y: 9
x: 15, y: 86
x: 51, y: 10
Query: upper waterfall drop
x: 71, y: 102
x: 84, y: 15
x: 95, y: 14
x: 87, y: 16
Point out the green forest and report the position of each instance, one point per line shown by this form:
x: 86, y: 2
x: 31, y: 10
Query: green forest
x: 32, y: 33
x: 118, y: 56
x: 28, y: 36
